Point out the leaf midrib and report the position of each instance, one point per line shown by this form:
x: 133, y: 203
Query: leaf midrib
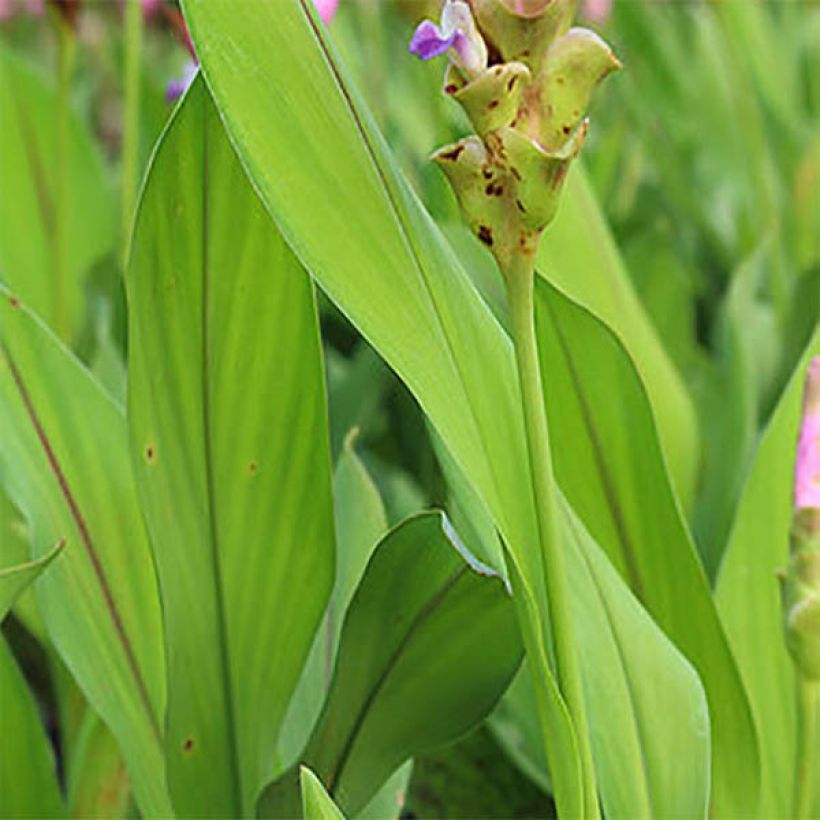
x: 236, y: 798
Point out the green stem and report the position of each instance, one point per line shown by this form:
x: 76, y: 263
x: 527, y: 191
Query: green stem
x: 131, y: 116
x: 807, y: 761
x: 66, y: 49
x: 520, y: 286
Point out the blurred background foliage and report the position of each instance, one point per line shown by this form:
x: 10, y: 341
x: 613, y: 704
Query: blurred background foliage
x: 704, y: 158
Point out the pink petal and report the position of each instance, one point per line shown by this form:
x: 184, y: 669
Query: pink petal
x: 807, y: 465
x: 327, y: 9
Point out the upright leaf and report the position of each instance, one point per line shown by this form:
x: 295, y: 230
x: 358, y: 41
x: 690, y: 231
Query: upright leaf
x: 360, y: 521
x: 64, y: 464
x: 229, y: 441
x: 646, y: 766
x: 28, y: 197
x: 428, y: 646
x: 579, y: 255
x: 316, y: 802
x: 609, y: 462
x: 748, y: 594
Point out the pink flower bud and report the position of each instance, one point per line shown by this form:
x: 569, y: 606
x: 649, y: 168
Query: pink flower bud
x: 807, y: 466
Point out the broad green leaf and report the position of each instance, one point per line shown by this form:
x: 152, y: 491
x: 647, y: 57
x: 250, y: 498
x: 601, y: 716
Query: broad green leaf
x: 28, y: 780
x: 316, y: 802
x: 29, y: 197
x: 748, y: 594
x: 633, y: 674
x: 428, y: 646
x: 97, y: 781
x: 360, y: 521
x: 64, y: 464
x: 229, y: 441
x: 609, y: 462
x: 579, y: 255
x: 364, y: 236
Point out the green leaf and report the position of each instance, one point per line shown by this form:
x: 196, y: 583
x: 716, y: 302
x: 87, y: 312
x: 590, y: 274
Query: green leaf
x: 64, y: 464
x: 316, y: 802
x: 646, y: 766
x: 97, y: 781
x: 28, y: 197
x: 294, y: 119
x: 229, y: 441
x: 578, y: 255
x: 609, y: 462
x: 28, y: 780
x: 427, y: 647
x: 360, y: 521
x: 748, y: 594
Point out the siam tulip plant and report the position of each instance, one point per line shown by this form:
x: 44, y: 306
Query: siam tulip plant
x: 335, y: 482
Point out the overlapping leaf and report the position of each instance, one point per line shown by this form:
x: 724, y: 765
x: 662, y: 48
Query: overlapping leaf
x: 609, y: 463
x: 229, y: 439
x: 428, y: 645
x: 748, y: 593
x: 29, y: 197
x: 64, y: 463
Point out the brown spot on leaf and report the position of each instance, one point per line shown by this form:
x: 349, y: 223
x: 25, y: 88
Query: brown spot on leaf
x: 150, y: 454
x: 485, y: 235
x: 520, y: 205
x: 486, y: 172
x: 494, y: 189
x: 453, y: 154
x: 450, y: 88
x: 188, y: 745
x: 492, y: 104
x: 511, y: 82
x: 252, y: 468
x: 515, y: 172
x: 566, y: 129
x: 14, y: 302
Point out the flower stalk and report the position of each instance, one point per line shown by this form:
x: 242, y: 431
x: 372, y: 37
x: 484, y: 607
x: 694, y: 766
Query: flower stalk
x: 520, y: 280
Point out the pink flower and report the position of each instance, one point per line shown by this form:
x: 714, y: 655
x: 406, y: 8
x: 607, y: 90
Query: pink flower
x: 807, y: 466
x: 327, y: 9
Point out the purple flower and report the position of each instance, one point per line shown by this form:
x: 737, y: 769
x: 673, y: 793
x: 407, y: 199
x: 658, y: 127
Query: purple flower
x: 456, y: 36
x: 178, y: 86
x: 807, y: 466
